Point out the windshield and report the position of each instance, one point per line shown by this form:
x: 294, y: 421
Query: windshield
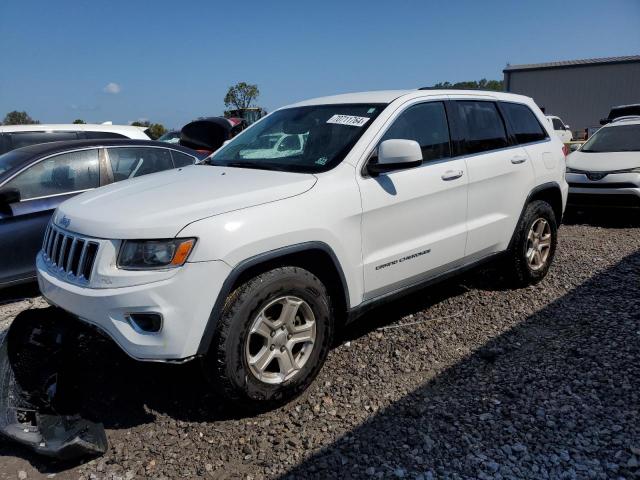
x: 170, y: 137
x: 621, y: 138
x: 302, y: 139
x: 11, y: 160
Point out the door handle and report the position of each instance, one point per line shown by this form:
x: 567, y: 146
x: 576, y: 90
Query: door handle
x: 451, y: 175
x: 518, y: 159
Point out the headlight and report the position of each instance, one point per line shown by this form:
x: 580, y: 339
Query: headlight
x: 154, y: 254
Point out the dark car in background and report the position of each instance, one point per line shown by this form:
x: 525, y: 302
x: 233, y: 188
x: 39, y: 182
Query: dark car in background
x: 620, y: 111
x: 34, y: 180
x: 18, y: 136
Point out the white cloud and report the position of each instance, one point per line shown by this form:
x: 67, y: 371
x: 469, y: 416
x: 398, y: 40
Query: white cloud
x: 112, y: 88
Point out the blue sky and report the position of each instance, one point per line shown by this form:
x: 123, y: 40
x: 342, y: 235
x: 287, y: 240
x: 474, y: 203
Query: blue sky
x: 170, y: 62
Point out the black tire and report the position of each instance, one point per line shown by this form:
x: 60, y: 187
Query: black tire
x: 517, y: 266
x: 226, y: 364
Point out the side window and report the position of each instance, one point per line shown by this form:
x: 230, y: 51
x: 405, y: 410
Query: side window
x: 64, y: 173
x: 23, y: 139
x: 524, y: 123
x: 182, y: 159
x: 104, y: 135
x: 426, y: 123
x: 130, y: 162
x: 483, y: 126
x: 557, y: 124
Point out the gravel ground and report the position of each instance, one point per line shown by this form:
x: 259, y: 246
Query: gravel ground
x: 541, y: 382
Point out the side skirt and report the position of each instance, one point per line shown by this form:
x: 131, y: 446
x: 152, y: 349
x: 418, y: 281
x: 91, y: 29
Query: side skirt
x: 359, y: 310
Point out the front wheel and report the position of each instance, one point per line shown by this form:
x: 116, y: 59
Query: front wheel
x: 534, y: 244
x: 272, y: 338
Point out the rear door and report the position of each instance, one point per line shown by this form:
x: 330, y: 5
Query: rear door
x: 500, y: 175
x: 42, y: 186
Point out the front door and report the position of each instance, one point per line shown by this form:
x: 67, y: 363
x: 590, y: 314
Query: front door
x: 42, y: 186
x: 413, y: 224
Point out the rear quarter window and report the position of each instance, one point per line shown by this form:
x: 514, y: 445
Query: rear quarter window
x: 525, y: 125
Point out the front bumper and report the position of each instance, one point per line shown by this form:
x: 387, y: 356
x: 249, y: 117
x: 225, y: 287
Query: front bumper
x: 185, y: 301
x: 612, y: 191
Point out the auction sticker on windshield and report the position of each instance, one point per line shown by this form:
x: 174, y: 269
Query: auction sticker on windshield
x: 351, y: 120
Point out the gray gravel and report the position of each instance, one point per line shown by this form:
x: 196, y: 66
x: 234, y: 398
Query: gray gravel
x: 487, y: 382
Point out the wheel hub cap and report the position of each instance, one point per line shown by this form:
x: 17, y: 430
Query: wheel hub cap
x: 280, y: 340
x: 538, y: 244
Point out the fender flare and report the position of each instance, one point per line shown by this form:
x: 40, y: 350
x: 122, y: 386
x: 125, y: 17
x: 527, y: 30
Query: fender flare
x: 532, y: 193
x: 250, y: 262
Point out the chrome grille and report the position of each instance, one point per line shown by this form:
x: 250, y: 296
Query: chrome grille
x: 69, y: 253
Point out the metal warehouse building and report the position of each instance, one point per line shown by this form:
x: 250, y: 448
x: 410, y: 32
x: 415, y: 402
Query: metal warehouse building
x: 581, y: 92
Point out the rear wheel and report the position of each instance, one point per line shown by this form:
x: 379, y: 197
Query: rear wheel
x: 534, y: 244
x: 272, y: 338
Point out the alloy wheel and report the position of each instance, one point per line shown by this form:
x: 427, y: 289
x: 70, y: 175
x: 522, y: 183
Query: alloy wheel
x: 280, y: 339
x: 538, y: 244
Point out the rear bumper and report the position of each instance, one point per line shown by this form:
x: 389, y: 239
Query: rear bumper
x: 184, y: 301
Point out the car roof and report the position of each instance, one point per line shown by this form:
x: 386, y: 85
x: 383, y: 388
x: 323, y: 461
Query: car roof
x: 49, y: 148
x: 388, y: 96
x: 71, y: 127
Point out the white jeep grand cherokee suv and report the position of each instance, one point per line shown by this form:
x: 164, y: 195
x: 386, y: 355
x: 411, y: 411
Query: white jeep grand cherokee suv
x: 249, y: 263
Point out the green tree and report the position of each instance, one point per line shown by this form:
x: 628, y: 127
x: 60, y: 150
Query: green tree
x: 78, y: 121
x: 156, y: 130
x: 241, y: 96
x: 482, y: 84
x: 18, y: 118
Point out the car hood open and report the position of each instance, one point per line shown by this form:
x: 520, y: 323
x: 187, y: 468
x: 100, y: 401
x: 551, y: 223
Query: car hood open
x: 603, y: 162
x: 161, y: 204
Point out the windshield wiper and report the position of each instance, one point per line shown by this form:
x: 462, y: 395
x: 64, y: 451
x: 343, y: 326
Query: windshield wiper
x: 244, y: 164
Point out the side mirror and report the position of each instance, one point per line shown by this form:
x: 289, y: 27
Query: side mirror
x: 396, y: 154
x: 567, y: 127
x: 9, y: 196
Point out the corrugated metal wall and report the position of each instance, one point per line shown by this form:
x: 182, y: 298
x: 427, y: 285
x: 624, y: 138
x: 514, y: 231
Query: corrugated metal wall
x: 580, y: 95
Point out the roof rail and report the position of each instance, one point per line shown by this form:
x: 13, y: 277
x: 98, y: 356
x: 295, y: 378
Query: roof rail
x: 626, y: 118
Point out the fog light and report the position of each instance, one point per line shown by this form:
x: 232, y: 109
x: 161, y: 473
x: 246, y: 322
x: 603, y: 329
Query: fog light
x: 145, y: 322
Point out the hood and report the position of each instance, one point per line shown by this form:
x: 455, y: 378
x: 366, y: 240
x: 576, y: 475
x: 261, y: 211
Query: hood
x: 603, y: 162
x: 161, y: 204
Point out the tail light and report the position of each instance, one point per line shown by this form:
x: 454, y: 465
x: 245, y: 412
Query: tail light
x: 565, y: 150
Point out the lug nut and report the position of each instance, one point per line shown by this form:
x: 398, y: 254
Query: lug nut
x: 273, y: 334
x: 282, y: 349
x: 273, y: 347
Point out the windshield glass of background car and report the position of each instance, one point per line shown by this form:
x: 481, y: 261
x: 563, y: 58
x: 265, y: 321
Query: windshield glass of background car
x: 301, y: 139
x: 621, y: 138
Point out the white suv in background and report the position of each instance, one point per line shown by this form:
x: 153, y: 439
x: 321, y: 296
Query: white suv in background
x: 559, y: 127
x: 250, y: 264
x: 605, y: 171
x: 16, y: 136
